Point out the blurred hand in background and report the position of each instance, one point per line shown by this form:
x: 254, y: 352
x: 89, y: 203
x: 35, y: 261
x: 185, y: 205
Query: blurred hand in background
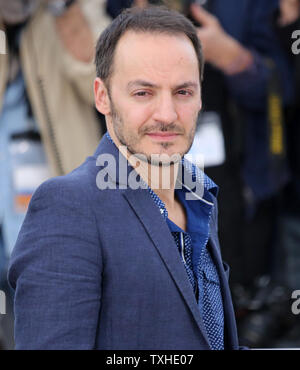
x: 219, y: 48
x: 289, y: 11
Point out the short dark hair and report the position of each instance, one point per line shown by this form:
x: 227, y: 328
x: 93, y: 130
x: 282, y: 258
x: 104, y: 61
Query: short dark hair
x: 153, y: 19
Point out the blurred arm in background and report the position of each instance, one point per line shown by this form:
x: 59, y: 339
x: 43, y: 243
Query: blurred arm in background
x: 220, y: 49
x: 238, y: 40
x: 57, y: 60
x: 74, y: 32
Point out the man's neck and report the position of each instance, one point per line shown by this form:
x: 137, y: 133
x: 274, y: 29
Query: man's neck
x: 163, y: 181
x: 160, y: 178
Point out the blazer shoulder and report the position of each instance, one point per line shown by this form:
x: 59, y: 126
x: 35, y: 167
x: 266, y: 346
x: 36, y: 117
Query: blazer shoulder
x: 72, y: 185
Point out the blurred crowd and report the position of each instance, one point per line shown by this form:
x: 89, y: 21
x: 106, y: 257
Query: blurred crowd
x: 247, y: 131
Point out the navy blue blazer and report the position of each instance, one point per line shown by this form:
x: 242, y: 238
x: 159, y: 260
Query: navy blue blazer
x: 99, y: 269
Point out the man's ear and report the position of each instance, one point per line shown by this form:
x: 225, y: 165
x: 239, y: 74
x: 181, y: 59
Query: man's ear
x: 102, y: 101
x: 200, y: 104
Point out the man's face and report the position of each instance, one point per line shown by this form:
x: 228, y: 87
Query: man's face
x: 154, y: 94
x: 17, y: 11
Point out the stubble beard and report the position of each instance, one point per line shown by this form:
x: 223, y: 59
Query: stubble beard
x: 131, y: 141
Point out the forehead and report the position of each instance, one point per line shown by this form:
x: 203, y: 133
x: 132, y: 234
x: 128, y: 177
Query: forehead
x: 155, y: 56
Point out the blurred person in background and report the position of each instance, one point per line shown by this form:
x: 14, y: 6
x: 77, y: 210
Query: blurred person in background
x: 250, y: 83
x: 246, y: 84
x: 48, y: 123
x: 240, y: 133
x: 287, y: 26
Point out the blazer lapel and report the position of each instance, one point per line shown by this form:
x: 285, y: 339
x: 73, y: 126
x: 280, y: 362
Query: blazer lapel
x: 157, y: 229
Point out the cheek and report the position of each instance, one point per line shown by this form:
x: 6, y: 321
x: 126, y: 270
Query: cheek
x: 136, y: 115
x: 188, y: 114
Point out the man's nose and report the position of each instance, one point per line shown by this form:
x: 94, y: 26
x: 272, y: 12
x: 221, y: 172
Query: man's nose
x: 165, y: 110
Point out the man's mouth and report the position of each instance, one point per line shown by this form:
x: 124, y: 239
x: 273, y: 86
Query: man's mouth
x: 163, y: 136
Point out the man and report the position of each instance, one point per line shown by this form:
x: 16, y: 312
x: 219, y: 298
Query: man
x: 108, y: 256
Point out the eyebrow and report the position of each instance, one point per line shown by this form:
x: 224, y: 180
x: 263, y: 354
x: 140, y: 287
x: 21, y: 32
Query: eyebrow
x: 143, y: 83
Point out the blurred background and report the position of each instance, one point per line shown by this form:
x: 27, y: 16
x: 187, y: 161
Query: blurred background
x: 248, y: 132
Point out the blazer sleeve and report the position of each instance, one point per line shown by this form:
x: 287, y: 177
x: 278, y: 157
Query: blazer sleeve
x: 55, y: 270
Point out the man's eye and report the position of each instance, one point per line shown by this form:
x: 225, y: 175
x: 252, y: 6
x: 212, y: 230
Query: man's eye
x: 141, y: 93
x: 184, y: 92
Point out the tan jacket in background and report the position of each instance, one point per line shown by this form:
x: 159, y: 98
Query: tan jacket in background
x: 60, y: 88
